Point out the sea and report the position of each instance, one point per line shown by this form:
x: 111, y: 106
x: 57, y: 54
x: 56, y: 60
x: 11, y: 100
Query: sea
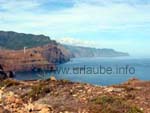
x: 96, y: 71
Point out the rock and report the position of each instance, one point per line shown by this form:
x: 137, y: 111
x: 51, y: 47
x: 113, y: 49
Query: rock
x: 10, y: 74
x: 29, y: 107
x: 18, y: 101
x: 1, y: 68
x: 112, y: 89
x: 45, y: 110
x: 3, y: 75
x: 138, y: 88
x: 2, y: 110
x: 11, y: 94
x: 141, y: 109
x: 41, y: 106
x: 66, y: 112
x: 1, y: 95
x: 118, y: 89
x: 109, y: 89
x: 53, y: 78
x: 74, y: 95
x: 11, y: 97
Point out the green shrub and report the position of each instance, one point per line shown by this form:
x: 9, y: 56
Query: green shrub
x: 8, y: 83
x: 112, y: 104
x: 38, y: 91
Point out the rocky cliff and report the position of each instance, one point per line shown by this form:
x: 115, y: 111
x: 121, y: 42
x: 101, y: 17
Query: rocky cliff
x: 41, y: 52
x: 24, y: 52
x: 78, y: 51
x: 43, y: 57
x: 16, y: 41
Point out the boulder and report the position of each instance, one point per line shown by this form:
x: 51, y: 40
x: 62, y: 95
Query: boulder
x: 2, y: 110
x: 10, y: 74
x: 45, y: 110
x: 3, y: 75
x: 53, y: 78
x: 1, y: 68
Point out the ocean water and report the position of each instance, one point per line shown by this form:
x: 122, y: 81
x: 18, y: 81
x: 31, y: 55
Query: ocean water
x: 97, y: 71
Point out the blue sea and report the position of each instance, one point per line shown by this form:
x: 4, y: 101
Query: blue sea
x: 97, y: 71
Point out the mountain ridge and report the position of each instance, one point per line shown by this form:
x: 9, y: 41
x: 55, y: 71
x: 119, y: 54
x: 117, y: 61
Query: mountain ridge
x: 17, y: 41
x: 79, y: 51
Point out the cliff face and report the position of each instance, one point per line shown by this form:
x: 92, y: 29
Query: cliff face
x: 17, y: 41
x: 44, y: 57
x: 78, y: 51
x: 41, y: 52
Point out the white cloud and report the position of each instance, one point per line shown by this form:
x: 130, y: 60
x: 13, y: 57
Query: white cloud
x: 77, y: 42
x: 83, y: 17
x: 18, y: 5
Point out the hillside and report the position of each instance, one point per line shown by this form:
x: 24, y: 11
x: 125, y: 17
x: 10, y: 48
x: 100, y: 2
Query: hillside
x: 16, y: 41
x: 78, y: 51
x: 41, y: 52
x: 62, y: 96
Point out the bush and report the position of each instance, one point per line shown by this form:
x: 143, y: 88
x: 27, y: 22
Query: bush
x: 110, y: 104
x: 38, y: 91
x: 8, y: 83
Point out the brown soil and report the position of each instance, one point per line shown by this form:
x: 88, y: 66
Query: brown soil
x: 64, y: 96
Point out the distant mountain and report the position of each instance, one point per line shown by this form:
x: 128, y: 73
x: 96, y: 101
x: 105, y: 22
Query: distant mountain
x: 78, y: 51
x: 17, y: 41
x: 41, y: 52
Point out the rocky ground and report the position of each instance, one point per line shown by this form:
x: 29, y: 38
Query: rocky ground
x: 62, y: 96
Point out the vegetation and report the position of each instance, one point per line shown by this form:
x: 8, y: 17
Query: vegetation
x: 64, y: 96
x: 16, y: 41
x: 112, y: 104
x: 8, y: 83
x: 38, y: 91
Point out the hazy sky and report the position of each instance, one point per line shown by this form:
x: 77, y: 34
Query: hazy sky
x: 123, y: 25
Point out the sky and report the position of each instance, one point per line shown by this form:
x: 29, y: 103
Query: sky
x: 123, y: 25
